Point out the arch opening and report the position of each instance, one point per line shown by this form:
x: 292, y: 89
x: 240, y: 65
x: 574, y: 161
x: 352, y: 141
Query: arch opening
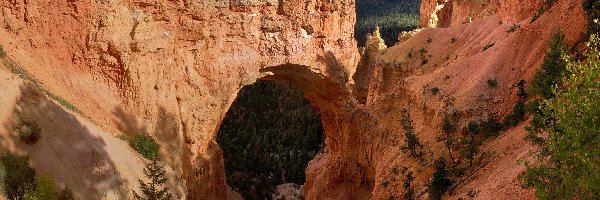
x: 268, y: 136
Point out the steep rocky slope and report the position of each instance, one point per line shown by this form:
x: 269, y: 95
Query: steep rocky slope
x: 172, y: 69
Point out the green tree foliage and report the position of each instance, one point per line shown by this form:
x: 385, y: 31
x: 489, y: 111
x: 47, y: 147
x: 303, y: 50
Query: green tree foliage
x: 152, y: 190
x: 411, y: 139
x: 15, y: 175
x: 392, y: 16
x: 44, y: 189
x: 268, y: 136
x: 552, y: 69
x: 567, y: 135
x: 144, y: 145
x: 439, y: 180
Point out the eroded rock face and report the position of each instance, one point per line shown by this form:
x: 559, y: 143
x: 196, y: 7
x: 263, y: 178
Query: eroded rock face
x: 446, y: 13
x: 172, y: 68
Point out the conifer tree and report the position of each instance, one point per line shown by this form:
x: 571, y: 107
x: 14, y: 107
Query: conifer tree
x: 151, y: 191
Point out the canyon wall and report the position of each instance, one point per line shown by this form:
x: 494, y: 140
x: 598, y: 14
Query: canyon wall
x: 172, y: 69
x: 446, y: 13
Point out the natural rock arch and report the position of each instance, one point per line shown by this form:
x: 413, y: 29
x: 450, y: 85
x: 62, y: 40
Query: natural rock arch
x: 343, y: 169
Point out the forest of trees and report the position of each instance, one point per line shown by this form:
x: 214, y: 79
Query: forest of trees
x: 268, y: 136
x: 392, y: 16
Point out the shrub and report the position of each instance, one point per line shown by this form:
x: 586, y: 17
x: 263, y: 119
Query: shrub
x: 513, y: 28
x: 453, y: 40
x: 15, y: 175
x: 410, y: 53
x: 44, y: 189
x: 144, y: 145
x: 490, y: 127
x: 470, y: 148
x: 492, y: 83
x: 439, y: 180
x: 422, y: 52
x: 486, y: 47
x: 429, y: 40
x: 28, y: 131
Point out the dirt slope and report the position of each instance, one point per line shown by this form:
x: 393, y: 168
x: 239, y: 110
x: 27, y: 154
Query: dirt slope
x: 77, y: 153
x: 460, y: 68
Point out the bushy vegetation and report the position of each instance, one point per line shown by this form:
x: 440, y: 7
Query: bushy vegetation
x: 410, y: 138
x: 513, y: 28
x: 518, y: 113
x: 28, y: 131
x: 565, y: 132
x: 553, y: 68
x: 439, y: 180
x: 144, y: 144
x: 15, y: 175
x: 45, y: 188
x: 492, y: 83
x: 486, y: 47
x: 267, y: 137
x: 154, y: 190
x: 435, y: 90
x: 392, y: 16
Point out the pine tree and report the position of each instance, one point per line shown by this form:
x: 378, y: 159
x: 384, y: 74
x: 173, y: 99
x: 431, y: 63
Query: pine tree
x: 412, y: 141
x: 439, y: 180
x: 156, y: 173
x: 410, y: 192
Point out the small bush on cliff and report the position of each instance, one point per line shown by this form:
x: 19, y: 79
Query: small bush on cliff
x: 486, y: 47
x: 492, y: 83
x: 144, y: 145
x: 439, y: 180
x: 28, y: 131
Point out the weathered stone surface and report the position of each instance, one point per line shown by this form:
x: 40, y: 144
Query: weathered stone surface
x: 172, y: 68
